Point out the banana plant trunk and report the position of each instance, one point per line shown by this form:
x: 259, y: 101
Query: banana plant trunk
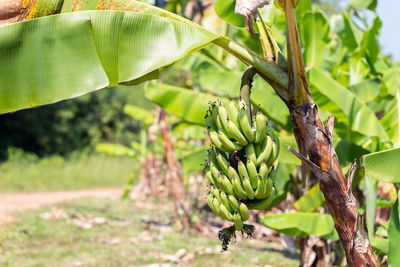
x: 173, y: 175
x: 315, y: 140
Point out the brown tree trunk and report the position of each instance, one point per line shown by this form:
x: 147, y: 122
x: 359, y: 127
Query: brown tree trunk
x: 317, y: 143
x: 315, y: 140
x: 174, y: 173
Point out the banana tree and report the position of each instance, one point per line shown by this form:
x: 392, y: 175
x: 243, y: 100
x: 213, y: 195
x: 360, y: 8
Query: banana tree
x: 88, y: 48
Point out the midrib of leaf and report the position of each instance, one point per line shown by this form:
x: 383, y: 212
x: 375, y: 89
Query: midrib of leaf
x: 398, y: 115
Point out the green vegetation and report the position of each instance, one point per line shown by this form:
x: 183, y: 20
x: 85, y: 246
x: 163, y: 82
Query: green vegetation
x: 27, y: 173
x: 34, y: 241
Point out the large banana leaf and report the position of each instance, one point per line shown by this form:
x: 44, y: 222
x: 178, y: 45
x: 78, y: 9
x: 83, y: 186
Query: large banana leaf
x: 192, y: 162
x: 310, y: 201
x: 366, y: 90
x: 315, y: 38
x: 394, y: 236
x: 383, y: 165
x: 116, y: 150
x: 221, y: 83
x: 371, y: 187
x: 62, y: 56
x: 302, y: 224
x: 285, y: 156
x: 361, y: 118
x: 348, y: 32
x: 139, y: 114
x: 225, y: 9
x: 187, y: 104
x: 391, y: 120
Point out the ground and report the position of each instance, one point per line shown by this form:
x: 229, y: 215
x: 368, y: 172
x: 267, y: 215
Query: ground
x: 113, y: 232
x: 70, y: 213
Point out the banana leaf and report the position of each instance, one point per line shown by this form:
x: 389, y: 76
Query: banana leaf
x: 116, y: 150
x: 139, y: 114
x: 190, y: 105
x: 394, y: 236
x: 52, y: 58
x: 315, y: 38
x: 391, y: 120
x: 361, y: 118
x: 383, y: 165
x: 302, y: 224
x: 366, y: 90
x: 310, y: 201
x: 225, y: 9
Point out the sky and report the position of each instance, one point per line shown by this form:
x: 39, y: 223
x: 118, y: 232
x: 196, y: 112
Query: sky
x: 389, y: 12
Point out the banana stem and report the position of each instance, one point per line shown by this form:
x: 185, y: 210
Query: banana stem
x: 245, y: 87
x: 269, y: 71
x: 299, y: 93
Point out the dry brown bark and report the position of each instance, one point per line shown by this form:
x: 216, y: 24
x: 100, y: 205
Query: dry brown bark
x: 315, y: 140
x: 173, y: 174
x: 323, y: 162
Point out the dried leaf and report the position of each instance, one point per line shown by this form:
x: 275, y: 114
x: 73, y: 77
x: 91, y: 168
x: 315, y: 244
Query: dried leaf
x: 247, y: 8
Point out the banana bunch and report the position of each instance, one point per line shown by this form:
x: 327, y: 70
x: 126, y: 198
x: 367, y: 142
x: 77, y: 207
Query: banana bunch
x: 240, y: 162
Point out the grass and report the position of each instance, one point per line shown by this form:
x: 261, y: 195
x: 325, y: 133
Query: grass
x: 81, y: 171
x: 34, y: 241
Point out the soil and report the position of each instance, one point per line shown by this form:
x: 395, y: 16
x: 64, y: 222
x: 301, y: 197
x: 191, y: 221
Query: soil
x: 12, y: 203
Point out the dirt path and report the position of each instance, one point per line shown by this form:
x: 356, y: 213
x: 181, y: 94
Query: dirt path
x: 11, y: 203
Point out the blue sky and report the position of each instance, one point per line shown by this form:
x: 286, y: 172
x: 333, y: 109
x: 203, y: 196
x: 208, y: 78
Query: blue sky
x: 389, y: 12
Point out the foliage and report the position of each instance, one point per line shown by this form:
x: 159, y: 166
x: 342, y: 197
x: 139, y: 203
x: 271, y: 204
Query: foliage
x: 73, y: 125
x: 302, y: 224
x: 25, y: 172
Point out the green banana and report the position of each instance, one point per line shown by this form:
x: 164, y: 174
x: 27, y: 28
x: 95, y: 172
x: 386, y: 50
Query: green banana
x: 232, y: 173
x: 268, y: 186
x: 261, y: 127
x: 223, y: 118
x: 220, y: 181
x: 274, y: 137
x: 214, y: 114
x: 228, y: 186
x: 273, y: 155
x: 215, y: 203
x: 251, y: 153
x: 210, y: 177
x: 210, y: 202
x: 257, y: 149
x: 222, y: 163
x: 244, y: 212
x: 265, y: 153
x: 227, y: 143
x: 215, y: 140
x: 235, y: 133
x: 261, y: 188
x: 215, y: 192
x: 214, y: 171
x: 225, y: 213
x: 247, y: 187
x: 233, y: 202
x: 237, y: 187
x: 237, y: 219
x: 252, y: 171
x: 233, y: 112
x: 242, y: 169
x: 245, y: 122
x: 263, y: 171
x: 224, y: 201
x: 261, y: 204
